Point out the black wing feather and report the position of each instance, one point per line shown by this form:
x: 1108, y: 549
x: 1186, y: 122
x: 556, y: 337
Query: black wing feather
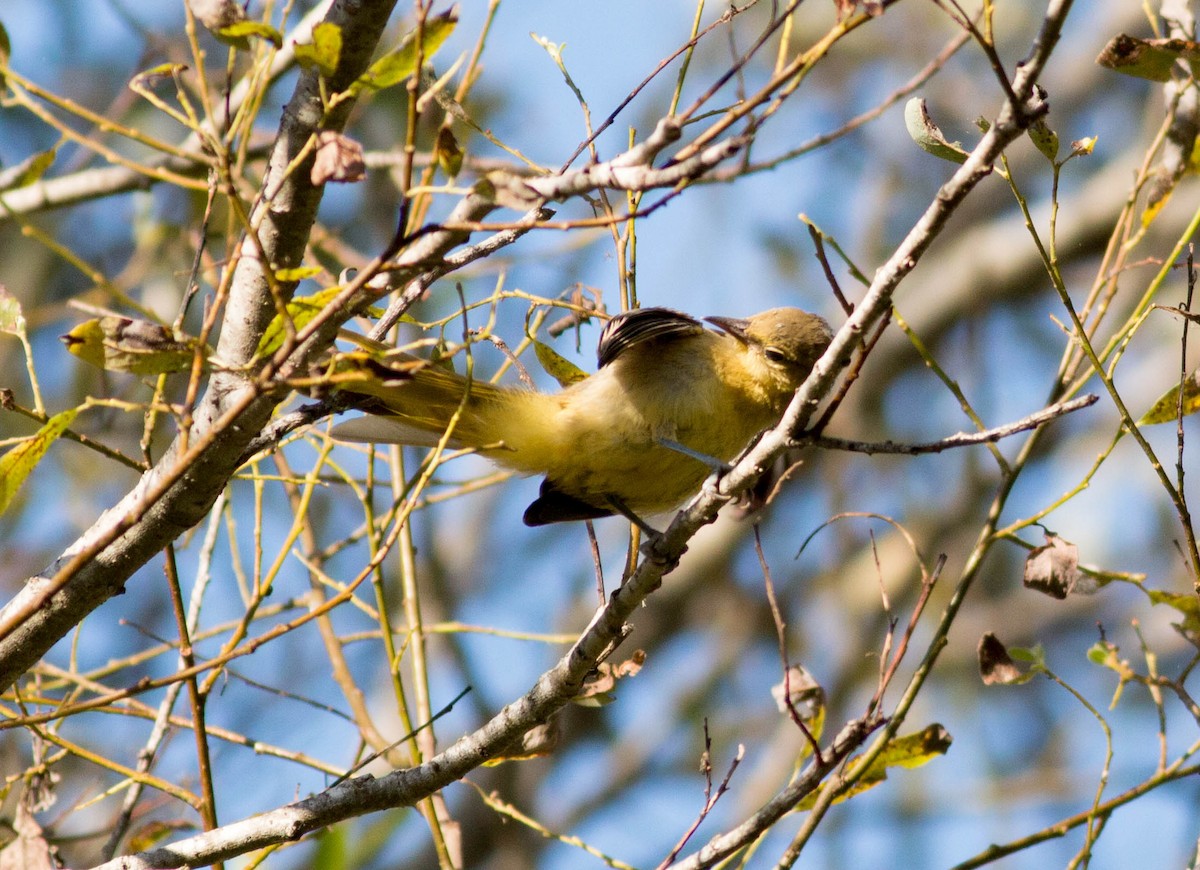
x: 640, y: 325
x: 554, y: 506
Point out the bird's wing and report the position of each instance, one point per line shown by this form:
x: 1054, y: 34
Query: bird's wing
x: 643, y: 324
x: 555, y: 506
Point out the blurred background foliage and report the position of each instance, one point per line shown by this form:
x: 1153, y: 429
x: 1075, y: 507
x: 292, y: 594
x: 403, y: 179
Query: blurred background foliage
x: 624, y: 778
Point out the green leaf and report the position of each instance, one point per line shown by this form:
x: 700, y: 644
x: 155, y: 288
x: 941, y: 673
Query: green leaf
x: 1098, y: 654
x: 1044, y: 139
x: 1035, y: 655
x: 1166, y: 407
x: 400, y: 63
x: 35, y: 167
x: 1107, y: 655
x: 300, y: 311
x: 1187, y: 605
x: 557, y: 366
x: 238, y: 33
x: 28, y: 170
x: 332, y: 848
x: 16, y: 464
x: 324, y: 51
x: 926, y: 134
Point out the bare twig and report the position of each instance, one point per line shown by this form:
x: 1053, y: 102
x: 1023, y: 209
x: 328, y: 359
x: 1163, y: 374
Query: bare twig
x: 962, y: 439
x: 710, y: 799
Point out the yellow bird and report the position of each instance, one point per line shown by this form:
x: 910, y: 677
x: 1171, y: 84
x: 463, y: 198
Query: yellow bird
x: 671, y: 401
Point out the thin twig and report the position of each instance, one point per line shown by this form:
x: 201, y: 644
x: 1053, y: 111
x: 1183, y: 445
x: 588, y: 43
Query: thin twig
x: 962, y: 439
x: 710, y: 800
x: 781, y: 640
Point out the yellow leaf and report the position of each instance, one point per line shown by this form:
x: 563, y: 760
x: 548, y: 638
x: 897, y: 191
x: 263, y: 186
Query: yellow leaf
x: 449, y: 154
x: 159, y: 71
x: 297, y: 274
x: 1165, y: 409
x: 1044, y: 139
x: 16, y: 464
x: 557, y: 366
x: 915, y: 750
x: 324, y: 51
x: 238, y: 33
x: 1084, y: 146
x: 912, y: 750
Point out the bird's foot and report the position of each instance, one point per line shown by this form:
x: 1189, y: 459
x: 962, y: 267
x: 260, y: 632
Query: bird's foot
x: 717, y: 466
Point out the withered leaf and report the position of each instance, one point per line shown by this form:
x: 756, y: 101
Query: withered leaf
x: 1053, y: 568
x: 339, y: 158
x: 598, y: 688
x: 1147, y: 58
x: 996, y: 666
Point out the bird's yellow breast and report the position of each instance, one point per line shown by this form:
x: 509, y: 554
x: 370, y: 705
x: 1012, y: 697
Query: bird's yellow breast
x: 604, y: 436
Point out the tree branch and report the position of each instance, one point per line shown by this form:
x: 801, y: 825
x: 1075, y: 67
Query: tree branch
x: 178, y: 492
x: 89, y: 184
x: 961, y: 439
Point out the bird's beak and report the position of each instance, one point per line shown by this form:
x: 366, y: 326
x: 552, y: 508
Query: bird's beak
x: 734, y: 326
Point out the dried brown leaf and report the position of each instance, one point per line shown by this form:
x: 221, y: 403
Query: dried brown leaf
x: 996, y: 666
x: 1053, y: 568
x: 339, y: 158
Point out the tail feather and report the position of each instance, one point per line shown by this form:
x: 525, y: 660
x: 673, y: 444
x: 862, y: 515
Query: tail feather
x: 415, y: 406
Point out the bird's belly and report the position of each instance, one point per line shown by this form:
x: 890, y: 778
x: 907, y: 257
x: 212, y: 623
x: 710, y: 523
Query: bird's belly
x: 604, y: 446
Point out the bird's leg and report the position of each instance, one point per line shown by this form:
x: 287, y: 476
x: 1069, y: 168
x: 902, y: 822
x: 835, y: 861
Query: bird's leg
x: 651, y: 547
x: 620, y: 507
x: 717, y: 466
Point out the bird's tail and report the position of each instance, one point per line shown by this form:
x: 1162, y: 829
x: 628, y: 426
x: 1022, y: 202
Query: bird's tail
x: 414, y: 401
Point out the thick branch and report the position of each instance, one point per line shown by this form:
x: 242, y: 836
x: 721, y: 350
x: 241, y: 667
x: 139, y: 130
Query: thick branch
x: 178, y: 492
x: 553, y: 690
x: 89, y: 184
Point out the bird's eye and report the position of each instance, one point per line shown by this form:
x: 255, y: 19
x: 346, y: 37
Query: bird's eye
x: 775, y: 355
